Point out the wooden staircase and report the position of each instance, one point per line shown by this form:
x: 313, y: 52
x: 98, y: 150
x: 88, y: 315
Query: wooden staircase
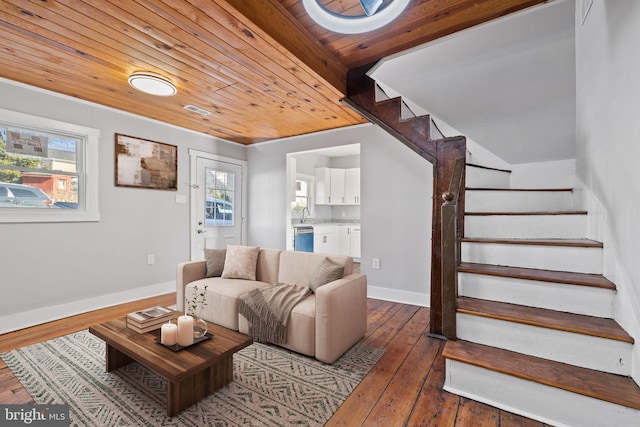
x: 533, y: 314
x: 535, y: 327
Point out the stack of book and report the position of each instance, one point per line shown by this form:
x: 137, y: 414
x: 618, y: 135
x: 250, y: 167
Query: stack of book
x: 149, y: 320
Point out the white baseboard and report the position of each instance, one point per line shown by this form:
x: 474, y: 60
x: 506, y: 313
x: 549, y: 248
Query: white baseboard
x: 394, y: 295
x: 16, y: 321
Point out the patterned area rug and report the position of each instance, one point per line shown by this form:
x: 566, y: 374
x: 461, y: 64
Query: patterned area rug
x: 272, y: 386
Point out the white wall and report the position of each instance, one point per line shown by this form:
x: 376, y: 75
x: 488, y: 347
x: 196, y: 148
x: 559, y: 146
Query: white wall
x: 608, y: 148
x: 395, y: 213
x: 55, y: 270
x: 553, y: 174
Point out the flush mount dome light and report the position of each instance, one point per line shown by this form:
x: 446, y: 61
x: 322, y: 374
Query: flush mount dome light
x: 376, y: 16
x: 151, y: 83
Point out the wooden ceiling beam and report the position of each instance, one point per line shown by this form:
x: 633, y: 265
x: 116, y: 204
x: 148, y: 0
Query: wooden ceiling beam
x: 275, y: 21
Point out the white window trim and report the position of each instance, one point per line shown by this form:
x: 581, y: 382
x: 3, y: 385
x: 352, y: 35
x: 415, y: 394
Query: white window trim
x: 87, y: 211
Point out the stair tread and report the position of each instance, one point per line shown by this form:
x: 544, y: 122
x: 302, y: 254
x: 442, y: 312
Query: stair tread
x: 585, y: 243
x: 599, y: 385
x: 525, y: 213
x: 581, y: 279
x: 545, y: 318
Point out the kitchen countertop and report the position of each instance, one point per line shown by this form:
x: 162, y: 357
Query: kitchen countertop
x: 322, y: 224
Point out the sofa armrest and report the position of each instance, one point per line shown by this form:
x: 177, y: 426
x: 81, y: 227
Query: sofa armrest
x: 186, y: 273
x: 341, y: 316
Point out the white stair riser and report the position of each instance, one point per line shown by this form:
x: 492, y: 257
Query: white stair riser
x: 533, y: 400
x: 526, y: 226
x: 586, y: 300
x: 486, y: 178
x: 575, y: 349
x: 518, y: 201
x: 558, y: 258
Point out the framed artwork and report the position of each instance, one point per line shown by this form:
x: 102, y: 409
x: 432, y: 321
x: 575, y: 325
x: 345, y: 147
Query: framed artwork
x: 142, y: 163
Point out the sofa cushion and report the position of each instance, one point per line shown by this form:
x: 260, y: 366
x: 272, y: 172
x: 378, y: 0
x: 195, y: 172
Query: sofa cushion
x: 324, y: 273
x: 215, y: 261
x: 297, y: 267
x: 222, y: 298
x: 268, y: 264
x: 241, y: 262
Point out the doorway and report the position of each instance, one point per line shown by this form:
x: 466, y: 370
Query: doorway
x: 218, y: 202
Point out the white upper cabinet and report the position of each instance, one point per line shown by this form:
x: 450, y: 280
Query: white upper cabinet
x: 323, y: 186
x: 337, y: 186
x: 352, y: 186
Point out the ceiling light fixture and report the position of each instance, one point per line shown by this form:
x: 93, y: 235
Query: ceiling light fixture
x: 376, y: 16
x: 151, y: 83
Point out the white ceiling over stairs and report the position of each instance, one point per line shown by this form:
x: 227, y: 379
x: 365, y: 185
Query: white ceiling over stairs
x: 508, y: 85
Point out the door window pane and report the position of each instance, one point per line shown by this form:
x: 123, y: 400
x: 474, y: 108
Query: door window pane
x: 220, y: 194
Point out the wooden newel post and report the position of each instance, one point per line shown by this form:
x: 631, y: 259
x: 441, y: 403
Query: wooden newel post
x: 448, y: 178
x: 449, y: 279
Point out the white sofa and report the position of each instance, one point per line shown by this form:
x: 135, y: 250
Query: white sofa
x: 324, y: 325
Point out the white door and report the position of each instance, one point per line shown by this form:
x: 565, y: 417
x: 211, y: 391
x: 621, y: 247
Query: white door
x: 217, y: 213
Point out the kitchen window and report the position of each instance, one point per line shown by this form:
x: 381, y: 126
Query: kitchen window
x: 48, y: 170
x: 303, y: 192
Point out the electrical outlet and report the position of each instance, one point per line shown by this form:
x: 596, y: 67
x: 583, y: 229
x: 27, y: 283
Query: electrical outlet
x: 151, y: 259
x: 376, y: 264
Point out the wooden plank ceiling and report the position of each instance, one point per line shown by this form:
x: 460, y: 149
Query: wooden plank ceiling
x: 262, y: 68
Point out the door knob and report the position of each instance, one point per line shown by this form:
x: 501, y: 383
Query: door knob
x: 201, y: 231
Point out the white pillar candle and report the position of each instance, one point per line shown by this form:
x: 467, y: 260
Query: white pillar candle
x: 185, y: 330
x: 169, y: 334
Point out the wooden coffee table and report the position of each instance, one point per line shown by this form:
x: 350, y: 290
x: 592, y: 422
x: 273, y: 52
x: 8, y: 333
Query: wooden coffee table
x: 192, y: 373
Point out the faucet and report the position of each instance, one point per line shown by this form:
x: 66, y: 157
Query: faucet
x: 304, y: 209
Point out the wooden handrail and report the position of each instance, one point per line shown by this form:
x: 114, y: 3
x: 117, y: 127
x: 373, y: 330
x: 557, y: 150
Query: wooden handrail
x: 450, y: 212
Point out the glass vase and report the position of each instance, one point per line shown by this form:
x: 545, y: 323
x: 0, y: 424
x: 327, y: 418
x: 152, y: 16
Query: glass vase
x: 199, y: 328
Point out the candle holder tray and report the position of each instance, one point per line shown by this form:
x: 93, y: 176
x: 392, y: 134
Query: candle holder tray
x: 178, y: 347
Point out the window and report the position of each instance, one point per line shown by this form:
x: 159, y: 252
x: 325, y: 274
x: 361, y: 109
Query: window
x: 220, y: 195
x: 302, y: 194
x: 48, y: 170
x: 303, y: 191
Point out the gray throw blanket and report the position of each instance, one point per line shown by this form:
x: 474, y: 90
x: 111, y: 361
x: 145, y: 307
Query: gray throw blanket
x: 268, y: 309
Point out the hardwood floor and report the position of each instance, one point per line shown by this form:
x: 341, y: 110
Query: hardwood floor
x: 403, y: 389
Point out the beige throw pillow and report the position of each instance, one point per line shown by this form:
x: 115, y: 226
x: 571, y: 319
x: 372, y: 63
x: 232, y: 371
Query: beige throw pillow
x: 241, y: 262
x: 326, y: 272
x: 215, y: 261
